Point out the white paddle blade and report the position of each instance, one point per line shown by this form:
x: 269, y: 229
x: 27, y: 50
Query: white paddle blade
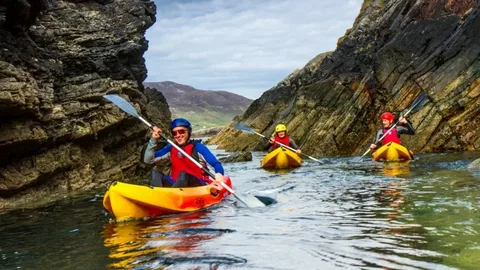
x: 242, y: 127
x: 122, y: 104
x: 267, y: 197
x: 253, y: 201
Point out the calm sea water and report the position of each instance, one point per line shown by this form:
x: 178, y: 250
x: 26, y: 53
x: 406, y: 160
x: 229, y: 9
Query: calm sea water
x: 339, y: 215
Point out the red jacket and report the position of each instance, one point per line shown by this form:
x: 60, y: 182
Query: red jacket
x: 182, y: 163
x: 285, y: 140
x: 391, y: 136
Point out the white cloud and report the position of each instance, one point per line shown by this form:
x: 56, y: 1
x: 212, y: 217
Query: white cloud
x: 242, y: 46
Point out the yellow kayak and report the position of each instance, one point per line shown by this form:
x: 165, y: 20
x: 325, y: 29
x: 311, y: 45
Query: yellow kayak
x: 281, y: 158
x: 128, y: 201
x: 392, y: 152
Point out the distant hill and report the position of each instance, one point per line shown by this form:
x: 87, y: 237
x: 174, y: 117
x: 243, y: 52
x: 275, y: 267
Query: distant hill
x: 204, y: 108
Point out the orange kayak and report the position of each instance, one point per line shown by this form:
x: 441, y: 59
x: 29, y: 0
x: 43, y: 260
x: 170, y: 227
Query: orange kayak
x: 129, y: 201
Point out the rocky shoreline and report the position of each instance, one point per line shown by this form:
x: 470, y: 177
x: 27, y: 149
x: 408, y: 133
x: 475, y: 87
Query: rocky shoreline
x: 57, y: 59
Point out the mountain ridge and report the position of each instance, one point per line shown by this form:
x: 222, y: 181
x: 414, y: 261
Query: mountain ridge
x: 204, y: 108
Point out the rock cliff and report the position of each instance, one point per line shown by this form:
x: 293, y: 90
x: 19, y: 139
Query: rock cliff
x: 395, y: 51
x: 57, y: 59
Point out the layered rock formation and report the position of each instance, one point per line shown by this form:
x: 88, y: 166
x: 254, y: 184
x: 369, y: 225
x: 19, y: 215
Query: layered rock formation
x: 57, y: 59
x: 395, y: 51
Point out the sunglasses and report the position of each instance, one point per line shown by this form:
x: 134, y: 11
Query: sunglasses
x: 180, y: 131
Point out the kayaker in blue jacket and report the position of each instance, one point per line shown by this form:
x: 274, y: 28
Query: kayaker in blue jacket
x: 183, y: 172
x: 281, y: 137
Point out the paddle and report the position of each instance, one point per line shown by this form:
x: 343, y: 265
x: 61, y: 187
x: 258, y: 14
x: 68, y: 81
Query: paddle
x: 128, y: 108
x: 242, y: 127
x: 419, y: 100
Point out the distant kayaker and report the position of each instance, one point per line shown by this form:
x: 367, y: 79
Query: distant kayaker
x: 281, y: 137
x: 404, y: 127
x: 183, y: 172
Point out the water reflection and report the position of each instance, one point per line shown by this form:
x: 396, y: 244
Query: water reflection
x: 158, y: 243
x: 396, y: 168
x: 393, y: 192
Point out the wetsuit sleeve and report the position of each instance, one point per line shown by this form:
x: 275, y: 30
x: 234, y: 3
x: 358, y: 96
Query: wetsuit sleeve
x: 406, y: 129
x: 293, y: 144
x: 267, y: 145
x: 379, y: 135
x: 209, y: 158
x: 150, y: 156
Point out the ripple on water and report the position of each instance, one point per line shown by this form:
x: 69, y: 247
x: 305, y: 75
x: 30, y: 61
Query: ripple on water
x: 174, y: 241
x: 337, y: 215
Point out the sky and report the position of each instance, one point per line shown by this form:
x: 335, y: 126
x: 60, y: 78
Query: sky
x: 242, y: 46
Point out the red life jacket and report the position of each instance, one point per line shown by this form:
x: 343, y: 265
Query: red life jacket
x: 285, y: 140
x: 182, y: 163
x: 391, y: 136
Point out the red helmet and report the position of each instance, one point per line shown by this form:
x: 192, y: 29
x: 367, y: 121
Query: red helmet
x: 387, y: 116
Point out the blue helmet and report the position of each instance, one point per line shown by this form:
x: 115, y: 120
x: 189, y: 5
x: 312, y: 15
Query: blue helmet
x: 180, y: 122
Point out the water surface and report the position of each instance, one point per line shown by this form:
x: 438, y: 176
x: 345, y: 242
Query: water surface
x: 337, y: 215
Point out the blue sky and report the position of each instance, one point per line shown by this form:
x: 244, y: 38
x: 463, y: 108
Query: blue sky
x: 242, y: 46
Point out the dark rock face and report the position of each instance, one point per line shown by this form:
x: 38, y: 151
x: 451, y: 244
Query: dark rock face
x: 395, y: 51
x: 57, y: 59
x: 240, y: 156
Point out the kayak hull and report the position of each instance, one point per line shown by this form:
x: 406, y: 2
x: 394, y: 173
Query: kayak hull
x: 392, y: 152
x: 281, y: 158
x: 128, y: 201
